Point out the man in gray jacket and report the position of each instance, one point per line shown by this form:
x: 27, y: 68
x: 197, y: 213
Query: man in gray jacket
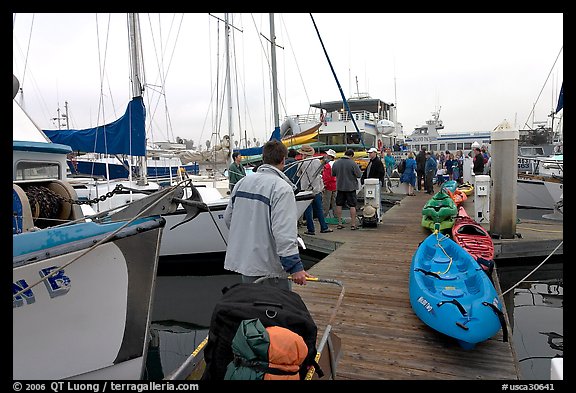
x: 347, y: 173
x: 262, y: 218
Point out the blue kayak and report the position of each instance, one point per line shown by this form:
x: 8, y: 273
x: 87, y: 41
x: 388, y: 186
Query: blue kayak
x: 450, y: 292
x: 450, y: 185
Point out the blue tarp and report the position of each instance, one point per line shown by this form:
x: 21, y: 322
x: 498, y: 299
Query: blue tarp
x: 560, y: 99
x: 127, y: 135
x: 254, y: 151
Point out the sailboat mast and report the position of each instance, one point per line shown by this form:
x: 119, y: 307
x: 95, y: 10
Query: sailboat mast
x: 136, y: 74
x: 274, y: 76
x: 229, y: 92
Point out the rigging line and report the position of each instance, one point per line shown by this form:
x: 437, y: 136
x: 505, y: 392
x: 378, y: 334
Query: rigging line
x: 279, y: 95
x: 231, y: 144
x: 338, y: 83
x: 533, y: 270
x: 537, y: 357
x: 214, y: 90
x: 101, y: 72
x: 27, y: 52
x: 215, y: 109
x: 220, y: 110
x: 159, y: 56
x: 272, y: 92
x: 264, y: 53
x: 247, y: 114
x: 295, y: 59
x: 268, y: 70
x: 243, y: 80
x: 164, y: 72
x: 246, y: 108
x: 153, y: 107
x: 212, y: 94
x: 545, y: 82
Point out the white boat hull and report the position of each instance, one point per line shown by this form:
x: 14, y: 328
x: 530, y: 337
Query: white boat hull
x: 535, y: 193
x: 207, y: 233
x: 90, y: 321
x: 201, y: 239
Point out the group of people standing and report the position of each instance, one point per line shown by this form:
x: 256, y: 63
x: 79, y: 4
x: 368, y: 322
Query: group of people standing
x: 262, y: 219
x: 262, y: 216
x: 481, y: 161
x: 421, y: 170
x: 334, y: 184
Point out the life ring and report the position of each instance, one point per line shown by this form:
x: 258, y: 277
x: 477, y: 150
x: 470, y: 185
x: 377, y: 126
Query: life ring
x: 379, y: 144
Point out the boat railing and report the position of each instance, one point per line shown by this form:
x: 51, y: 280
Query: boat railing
x: 538, y: 165
x: 334, y: 116
x: 358, y: 115
x: 304, y: 118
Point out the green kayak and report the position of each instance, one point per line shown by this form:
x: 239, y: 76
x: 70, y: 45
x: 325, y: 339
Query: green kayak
x: 440, y: 209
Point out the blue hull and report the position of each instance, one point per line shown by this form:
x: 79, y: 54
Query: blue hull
x: 450, y: 292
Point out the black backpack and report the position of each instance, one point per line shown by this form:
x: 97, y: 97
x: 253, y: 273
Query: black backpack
x: 402, y: 166
x: 273, y: 306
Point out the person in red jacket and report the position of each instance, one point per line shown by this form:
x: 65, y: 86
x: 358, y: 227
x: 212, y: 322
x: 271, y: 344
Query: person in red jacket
x: 329, y: 193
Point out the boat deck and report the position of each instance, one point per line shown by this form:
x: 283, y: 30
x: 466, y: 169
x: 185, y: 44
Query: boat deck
x: 382, y: 338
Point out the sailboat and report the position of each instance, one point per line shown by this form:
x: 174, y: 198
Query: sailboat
x: 82, y: 287
x: 200, y: 243
x: 209, y: 240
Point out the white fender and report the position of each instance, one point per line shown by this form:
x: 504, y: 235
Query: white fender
x: 289, y: 128
x: 385, y: 126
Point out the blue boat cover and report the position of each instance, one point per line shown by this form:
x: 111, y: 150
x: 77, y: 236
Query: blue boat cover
x: 127, y: 135
x: 254, y: 151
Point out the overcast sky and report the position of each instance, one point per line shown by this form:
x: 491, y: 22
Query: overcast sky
x: 478, y: 68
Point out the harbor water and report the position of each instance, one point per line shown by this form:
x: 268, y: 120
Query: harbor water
x: 184, y: 302
x: 183, y: 305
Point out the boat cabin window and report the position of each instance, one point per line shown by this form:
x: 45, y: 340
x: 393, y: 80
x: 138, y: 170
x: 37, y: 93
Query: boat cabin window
x: 531, y: 151
x: 369, y: 140
x: 443, y: 147
x: 459, y: 146
x: 467, y: 146
x: 451, y: 147
x: 338, y: 139
x: 36, y: 170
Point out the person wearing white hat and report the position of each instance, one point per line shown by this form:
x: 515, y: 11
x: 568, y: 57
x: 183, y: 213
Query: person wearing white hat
x: 375, y: 168
x: 329, y: 193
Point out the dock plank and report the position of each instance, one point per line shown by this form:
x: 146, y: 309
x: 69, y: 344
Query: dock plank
x: 381, y: 336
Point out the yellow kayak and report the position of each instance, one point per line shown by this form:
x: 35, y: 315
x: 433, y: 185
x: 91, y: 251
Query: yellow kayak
x: 360, y: 157
x: 466, y: 188
x: 308, y: 136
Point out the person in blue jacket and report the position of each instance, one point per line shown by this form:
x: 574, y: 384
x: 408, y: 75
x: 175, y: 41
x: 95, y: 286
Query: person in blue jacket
x: 409, y: 174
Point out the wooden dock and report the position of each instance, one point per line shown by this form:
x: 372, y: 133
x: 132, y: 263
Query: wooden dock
x: 381, y: 336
